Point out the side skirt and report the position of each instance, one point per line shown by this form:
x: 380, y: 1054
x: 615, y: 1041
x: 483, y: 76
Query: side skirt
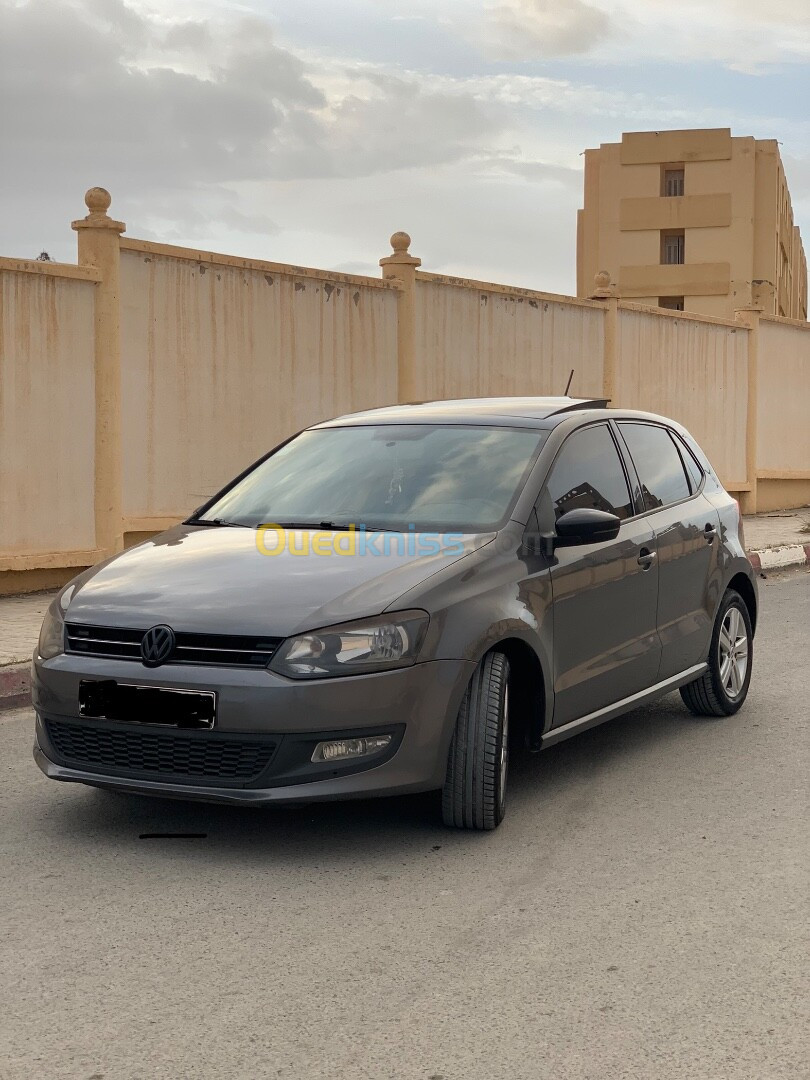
x: 574, y: 727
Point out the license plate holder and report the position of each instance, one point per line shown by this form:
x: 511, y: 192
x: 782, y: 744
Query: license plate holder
x: 165, y: 706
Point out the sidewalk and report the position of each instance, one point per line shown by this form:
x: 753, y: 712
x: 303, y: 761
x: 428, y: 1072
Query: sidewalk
x: 775, y: 541
x: 778, y: 539
x: 20, y: 620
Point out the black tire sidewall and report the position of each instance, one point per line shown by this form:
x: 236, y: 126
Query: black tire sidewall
x: 501, y: 786
x: 730, y: 705
x: 473, y: 796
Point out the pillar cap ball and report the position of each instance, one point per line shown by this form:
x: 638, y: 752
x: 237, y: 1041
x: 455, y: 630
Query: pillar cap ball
x: 400, y: 242
x: 602, y: 279
x: 97, y: 200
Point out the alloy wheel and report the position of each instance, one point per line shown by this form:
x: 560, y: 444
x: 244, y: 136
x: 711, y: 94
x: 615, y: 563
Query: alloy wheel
x: 733, y: 649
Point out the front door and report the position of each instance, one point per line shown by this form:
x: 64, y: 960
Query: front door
x: 604, y: 595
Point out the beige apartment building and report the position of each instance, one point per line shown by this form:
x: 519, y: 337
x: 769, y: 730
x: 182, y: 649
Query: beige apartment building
x: 694, y: 220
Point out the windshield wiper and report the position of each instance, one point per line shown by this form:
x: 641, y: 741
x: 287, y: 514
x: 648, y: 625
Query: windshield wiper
x: 220, y: 522
x: 336, y: 526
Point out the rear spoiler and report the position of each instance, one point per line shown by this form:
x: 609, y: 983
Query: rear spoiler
x: 583, y: 403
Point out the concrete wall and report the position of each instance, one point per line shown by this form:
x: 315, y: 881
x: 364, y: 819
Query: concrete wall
x: 134, y: 385
x: 223, y: 358
x: 783, y: 413
x: 475, y: 339
x: 693, y: 369
x: 47, y: 415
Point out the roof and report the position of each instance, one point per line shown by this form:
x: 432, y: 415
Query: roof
x: 469, y: 410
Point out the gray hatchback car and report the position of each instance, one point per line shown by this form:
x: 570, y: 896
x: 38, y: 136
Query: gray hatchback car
x: 389, y: 601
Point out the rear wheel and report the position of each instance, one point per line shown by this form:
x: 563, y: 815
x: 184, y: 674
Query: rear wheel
x: 474, y: 792
x: 722, y: 689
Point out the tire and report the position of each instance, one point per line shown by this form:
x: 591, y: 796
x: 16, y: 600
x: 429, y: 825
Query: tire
x: 474, y: 792
x: 722, y: 689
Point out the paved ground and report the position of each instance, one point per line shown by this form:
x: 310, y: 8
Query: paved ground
x: 642, y: 913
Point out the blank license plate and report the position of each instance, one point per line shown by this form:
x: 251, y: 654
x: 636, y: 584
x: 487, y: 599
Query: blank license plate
x: 108, y: 700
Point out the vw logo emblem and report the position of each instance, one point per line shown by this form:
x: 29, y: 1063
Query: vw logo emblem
x: 157, y: 645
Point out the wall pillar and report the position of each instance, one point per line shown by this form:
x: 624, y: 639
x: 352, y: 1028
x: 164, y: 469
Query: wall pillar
x: 98, y: 240
x: 401, y: 268
x: 749, y: 317
x: 605, y: 292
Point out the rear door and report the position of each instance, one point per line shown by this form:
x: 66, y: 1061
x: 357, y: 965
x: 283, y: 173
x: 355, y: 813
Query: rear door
x: 604, y: 595
x: 686, y: 525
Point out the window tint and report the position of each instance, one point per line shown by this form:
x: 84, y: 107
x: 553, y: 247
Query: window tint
x: 429, y: 477
x: 658, y: 464
x: 588, y: 474
x: 693, y: 469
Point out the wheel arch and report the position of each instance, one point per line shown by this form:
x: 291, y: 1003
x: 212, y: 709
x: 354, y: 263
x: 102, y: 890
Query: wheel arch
x: 529, y: 689
x: 742, y: 584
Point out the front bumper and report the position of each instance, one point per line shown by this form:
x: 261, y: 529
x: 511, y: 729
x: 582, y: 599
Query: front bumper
x: 418, y: 705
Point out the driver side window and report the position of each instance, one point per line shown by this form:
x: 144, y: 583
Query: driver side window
x: 587, y: 473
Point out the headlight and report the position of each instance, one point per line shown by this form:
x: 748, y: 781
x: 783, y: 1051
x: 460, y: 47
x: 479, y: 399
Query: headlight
x: 52, y: 634
x: 379, y: 644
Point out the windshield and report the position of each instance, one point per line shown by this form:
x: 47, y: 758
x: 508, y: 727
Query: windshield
x: 395, y: 477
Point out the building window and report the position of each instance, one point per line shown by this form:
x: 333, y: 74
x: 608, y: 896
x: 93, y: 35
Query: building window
x: 672, y: 247
x: 674, y: 303
x: 671, y: 180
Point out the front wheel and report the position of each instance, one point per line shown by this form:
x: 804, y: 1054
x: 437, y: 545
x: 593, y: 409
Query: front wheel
x: 474, y: 792
x: 722, y: 689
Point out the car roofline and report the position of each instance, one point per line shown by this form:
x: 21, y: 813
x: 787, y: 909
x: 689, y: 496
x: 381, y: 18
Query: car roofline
x: 515, y: 412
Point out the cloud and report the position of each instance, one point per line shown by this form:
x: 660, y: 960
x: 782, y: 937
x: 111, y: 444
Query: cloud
x: 741, y: 35
x: 401, y: 123
x: 94, y: 85
x: 97, y: 86
x: 538, y: 171
x: 528, y: 29
x: 226, y: 130
x: 170, y: 113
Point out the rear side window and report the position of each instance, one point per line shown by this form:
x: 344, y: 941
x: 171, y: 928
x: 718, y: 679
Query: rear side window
x: 658, y: 464
x: 693, y: 469
x: 588, y: 474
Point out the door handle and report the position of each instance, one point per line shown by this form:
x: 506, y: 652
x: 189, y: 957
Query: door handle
x: 710, y: 531
x: 646, y: 558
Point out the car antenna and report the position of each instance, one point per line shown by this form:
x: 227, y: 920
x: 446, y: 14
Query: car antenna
x: 568, y: 384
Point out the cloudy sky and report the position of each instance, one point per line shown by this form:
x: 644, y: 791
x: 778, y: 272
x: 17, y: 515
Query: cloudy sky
x: 307, y: 131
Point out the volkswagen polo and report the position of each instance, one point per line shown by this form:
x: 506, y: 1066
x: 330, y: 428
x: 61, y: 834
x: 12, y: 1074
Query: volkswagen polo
x: 388, y: 601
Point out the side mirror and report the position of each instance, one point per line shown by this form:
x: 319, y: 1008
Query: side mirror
x: 585, y: 526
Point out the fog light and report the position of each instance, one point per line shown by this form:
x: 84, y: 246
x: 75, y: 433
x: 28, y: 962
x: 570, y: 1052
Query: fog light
x: 342, y: 749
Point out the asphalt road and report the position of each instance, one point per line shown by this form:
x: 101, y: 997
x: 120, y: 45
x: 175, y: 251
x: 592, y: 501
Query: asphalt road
x: 642, y: 912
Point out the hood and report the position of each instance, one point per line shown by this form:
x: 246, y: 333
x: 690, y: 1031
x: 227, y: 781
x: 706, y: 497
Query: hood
x: 216, y: 580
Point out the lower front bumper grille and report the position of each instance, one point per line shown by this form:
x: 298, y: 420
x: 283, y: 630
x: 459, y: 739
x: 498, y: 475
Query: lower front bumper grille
x: 170, y: 756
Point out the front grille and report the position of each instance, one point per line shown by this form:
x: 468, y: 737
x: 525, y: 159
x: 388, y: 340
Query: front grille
x: 158, y: 755
x: 225, y: 650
